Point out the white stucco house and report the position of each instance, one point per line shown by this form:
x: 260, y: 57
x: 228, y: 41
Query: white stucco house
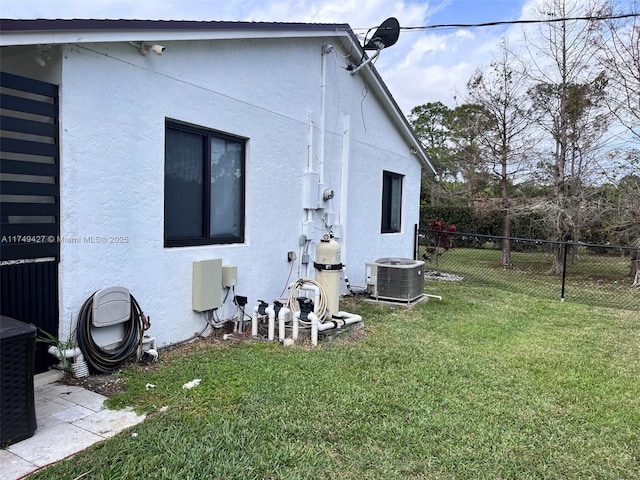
x: 240, y: 141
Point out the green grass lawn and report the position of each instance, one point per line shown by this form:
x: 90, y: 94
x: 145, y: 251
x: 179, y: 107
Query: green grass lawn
x: 483, y: 384
x: 601, y: 280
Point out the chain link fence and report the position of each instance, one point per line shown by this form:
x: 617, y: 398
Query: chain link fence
x: 603, y: 275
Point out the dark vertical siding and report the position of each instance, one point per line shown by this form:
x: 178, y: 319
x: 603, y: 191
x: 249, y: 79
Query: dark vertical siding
x: 29, y: 293
x: 30, y: 205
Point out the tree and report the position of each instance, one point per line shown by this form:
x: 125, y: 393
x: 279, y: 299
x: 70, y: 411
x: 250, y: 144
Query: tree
x: 500, y: 91
x: 469, y: 124
x: 627, y: 220
x: 618, y: 44
x: 430, y: 122
x: 563, y: 98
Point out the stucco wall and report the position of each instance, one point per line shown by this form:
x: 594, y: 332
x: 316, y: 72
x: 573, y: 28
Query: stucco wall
x: 113, y: 106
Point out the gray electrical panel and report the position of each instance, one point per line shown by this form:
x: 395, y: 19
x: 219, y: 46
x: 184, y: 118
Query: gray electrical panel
x: 207, y: 285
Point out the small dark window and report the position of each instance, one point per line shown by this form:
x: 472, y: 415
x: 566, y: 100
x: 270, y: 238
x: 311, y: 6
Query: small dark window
x: 203, y: 186
x: 391, y: 202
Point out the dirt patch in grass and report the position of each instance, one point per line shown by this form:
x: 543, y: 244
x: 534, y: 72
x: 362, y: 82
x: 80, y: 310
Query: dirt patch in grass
x: 112, y: 384
x: 109, y: 384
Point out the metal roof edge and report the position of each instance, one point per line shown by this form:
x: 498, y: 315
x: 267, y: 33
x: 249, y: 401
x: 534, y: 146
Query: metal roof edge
x: 91, y: 30
x: 79, y: 24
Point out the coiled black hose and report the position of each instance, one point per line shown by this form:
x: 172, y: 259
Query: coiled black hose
x: 104, y: 361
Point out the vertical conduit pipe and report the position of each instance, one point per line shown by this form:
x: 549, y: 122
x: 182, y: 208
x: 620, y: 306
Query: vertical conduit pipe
x: 344, y: 188
x: 326, y: 50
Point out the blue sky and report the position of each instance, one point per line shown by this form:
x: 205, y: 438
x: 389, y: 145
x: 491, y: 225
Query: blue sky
x: 424, y: 66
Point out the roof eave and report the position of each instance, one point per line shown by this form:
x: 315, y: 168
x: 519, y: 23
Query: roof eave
x: 29, y: 32
x: 43, y: 31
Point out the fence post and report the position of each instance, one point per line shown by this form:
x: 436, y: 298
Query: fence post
x: 564, y: 269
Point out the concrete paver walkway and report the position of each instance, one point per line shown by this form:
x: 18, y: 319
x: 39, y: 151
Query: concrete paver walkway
x: 69, y: 420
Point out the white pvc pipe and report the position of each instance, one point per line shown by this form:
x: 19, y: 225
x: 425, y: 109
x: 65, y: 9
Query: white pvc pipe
x: 344, y: 188
x: 316, y: 327
x: 310, y: 146
x: 349, y: 318
x: 272, y: 321
x: 254, y: 322
x: 282, y: 317
x: 67, y: 353
x: 326, y: 49
x: 294, y: 332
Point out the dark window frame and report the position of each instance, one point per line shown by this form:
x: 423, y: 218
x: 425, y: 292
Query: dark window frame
x: 205, y: 238
x: 390, y: 181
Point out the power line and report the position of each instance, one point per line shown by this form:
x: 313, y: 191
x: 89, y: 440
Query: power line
x: 589, y: 18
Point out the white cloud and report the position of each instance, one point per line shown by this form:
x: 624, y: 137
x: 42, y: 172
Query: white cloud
x: 423, y: 66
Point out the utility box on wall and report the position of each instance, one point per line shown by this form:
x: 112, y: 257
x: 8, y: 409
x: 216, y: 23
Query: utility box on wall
x: 207, y: 285
x: 229, y: 276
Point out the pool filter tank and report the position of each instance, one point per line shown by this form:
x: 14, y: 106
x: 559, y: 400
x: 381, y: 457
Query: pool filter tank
x: 328, y: 267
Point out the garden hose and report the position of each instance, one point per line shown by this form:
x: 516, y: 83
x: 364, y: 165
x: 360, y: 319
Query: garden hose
x: 294, y: 292
x: 101, y: 360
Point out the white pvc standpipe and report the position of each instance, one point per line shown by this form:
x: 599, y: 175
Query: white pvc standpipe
x: 254, y: 322
x: 296, y: 321
x: 316, y: 327
x: 272, y: 321
x: 282, y: 318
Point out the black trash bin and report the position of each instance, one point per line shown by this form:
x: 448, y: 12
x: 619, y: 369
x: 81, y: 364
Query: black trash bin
x: 17, y: 358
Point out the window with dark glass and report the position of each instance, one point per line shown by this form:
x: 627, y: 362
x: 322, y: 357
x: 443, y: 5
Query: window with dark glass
x: 391, y: 202
x: 203, y: 186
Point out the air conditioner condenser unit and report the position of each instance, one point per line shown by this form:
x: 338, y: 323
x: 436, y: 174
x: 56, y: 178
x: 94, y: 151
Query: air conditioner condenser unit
x: 395, y: 279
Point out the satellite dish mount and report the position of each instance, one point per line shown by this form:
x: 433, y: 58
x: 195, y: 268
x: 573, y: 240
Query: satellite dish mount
x: 385, y: 35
